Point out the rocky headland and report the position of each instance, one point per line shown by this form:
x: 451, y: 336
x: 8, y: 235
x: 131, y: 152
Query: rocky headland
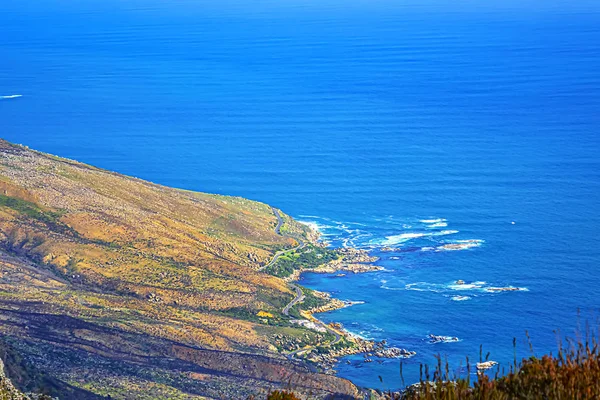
x: 349, y: 259
x: 93, y: 262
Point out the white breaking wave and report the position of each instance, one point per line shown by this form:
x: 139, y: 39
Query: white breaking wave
x: 458, y: 245
x: 438, y: 225
x: 350, y: 303
x: 460, y: 286
x: 424, y: 287
x: 442, y: 233
x: 405, y: 237
x: 11, y: 96
x: 393, y: 288
x: 314, y: 225
x: 506, y: 289
x: 460, y: 298
x: 466, y: 286
x: 433, y: 221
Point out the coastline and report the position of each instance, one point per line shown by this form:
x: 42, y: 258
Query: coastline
x: 356, y: 261
x: 352, y: 260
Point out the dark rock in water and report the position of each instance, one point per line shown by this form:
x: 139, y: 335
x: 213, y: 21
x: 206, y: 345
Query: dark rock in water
x: 482, y: 366
x: 442, y: 339
x: 389, y: 249
x: 394, y: 352
x: 503, y: 289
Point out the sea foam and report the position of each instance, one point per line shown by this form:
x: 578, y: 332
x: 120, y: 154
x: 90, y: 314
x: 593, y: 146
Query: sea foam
x: 11, y: 96
x: 447, y: 289
x: 438, y: 225
x: 460, y: 298
x: 433, y: 221
x: 314, y: 226
x: 405, y: 237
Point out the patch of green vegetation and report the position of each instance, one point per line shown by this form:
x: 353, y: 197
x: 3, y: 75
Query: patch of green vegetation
x: 27, y: 208
x: 293, y: 337
x: 327, y: 348
x: 342, y: 344
x: 250, y: 315
x: 275, y: 300
x: 241, y: 313
x: 310, y: 301
x: 293, y: 228
x: 309, y: 257
x: 33, y: 211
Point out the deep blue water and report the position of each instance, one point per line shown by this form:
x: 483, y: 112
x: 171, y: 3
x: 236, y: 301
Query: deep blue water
x: 365, y: 117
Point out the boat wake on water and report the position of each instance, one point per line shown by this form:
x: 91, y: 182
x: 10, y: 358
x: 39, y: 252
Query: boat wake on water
x: 11, y: 96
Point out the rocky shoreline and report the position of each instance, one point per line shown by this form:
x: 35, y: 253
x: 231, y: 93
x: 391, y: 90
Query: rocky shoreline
x: 334, y: 304
x: 369, y: 348
x: 355, y: 261
x: 352, y: 260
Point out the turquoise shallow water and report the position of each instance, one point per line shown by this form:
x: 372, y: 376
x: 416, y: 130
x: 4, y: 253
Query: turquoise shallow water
x: 362, y: 117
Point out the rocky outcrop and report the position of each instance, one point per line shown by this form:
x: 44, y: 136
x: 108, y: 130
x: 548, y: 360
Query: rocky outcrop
x: 394, y: 352
x: 93, y: 262
x: 442, y: 339
x: 390, y: 249
x: 503, y: 289
x: 482, y: 366
x: 468, y: 244
x: 353, y: 260
x: 330, y: 358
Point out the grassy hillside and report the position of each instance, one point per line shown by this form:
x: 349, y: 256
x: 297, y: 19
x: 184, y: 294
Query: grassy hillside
x: 117, y: 286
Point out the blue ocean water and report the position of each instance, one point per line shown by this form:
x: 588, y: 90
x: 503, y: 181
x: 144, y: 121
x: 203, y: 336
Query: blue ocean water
x: 365, y: 117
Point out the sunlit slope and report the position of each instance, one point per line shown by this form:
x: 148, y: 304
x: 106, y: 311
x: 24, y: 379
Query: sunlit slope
x: 100, y: 272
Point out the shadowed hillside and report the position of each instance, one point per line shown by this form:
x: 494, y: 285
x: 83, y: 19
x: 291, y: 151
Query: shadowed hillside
x: 117, y: 286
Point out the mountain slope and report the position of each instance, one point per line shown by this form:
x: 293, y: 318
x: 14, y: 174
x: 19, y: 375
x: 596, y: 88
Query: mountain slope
x: 121, y: 287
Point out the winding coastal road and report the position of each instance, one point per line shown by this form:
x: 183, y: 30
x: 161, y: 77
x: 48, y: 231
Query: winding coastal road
x: 299, y: 297
x: 299, y: 294
x: 301, y: 242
